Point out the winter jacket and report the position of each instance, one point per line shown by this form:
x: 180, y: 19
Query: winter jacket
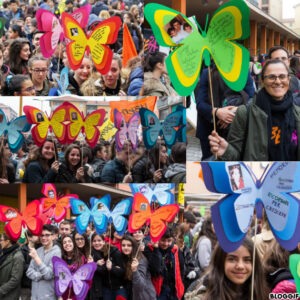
x: 47, y: 85
x: 204, y: 252
x: 98, y: 165
x: 11, y: 272
x: 154, y: 86
x: 65, y: 175
x: 97, y: 289
x: 114, y: 171
x: 42, y: 276
x: 256, y: 143
x: 176, y: 173
x: 136, y: 81
x: 142, y: 287
x: 10, y: 15
x: 73, y: 86
x: 96, y: 9
x: 35, y: 173
x: 26, y: 282
x: 189, y: 266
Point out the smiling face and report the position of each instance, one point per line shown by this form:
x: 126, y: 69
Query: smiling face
x: 238, y: 265
x: 126, y: 247
x: 68, y: 245
x: 98, y: 243
x: 25, y: 52
x: 48, y: 150
x: 138, y: 235
x: 111, y: 77
x: 39, y: 71
x: 163, y: 155
x: 276, y: 88
x: 84, y: 71
x: 74, y: 157
x: 79, y: 240
x: 46, y: 238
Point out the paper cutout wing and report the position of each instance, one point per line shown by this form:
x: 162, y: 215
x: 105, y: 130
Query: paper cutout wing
x: 157, y: 219
x: 103, y: 34
x: 43, y: 124
x: 232, y: 215
x: 126, y: 131
x: 13, y: 130
x: 294, y: 264
x: 229, y: 23
x: 160, y: 192
x: 116, y: 216
x: 154, y: 127
x: 47, y: 22
x: 87, y: 125
x: 29, y: 218
x: 2, y: 26
x: 51, y: 200
x: 63, y: 83
x: 79, y: 280
x: 181, y: 132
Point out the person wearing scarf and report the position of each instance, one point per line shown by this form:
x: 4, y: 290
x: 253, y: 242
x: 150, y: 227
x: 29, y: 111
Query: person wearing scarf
x: 267, y: 129
x: 11, y: 269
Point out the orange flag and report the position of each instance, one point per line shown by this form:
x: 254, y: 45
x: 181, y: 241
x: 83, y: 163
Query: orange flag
x: 129, y: 49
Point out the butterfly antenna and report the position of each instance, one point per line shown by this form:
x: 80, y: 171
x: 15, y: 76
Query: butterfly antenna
x: 206, y: 22
x: 198, y: 25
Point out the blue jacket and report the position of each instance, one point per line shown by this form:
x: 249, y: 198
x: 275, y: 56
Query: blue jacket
x: 136, y: 81
x: 113, y: 172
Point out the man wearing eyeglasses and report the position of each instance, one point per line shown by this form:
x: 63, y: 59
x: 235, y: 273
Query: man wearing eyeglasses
x: 40, y: 270
x: 279, y: 52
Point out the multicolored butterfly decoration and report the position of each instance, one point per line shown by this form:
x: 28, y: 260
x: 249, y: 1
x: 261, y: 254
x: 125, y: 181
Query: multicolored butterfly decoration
x: 16, y: 220
x: 100, y: 214
x: 228, y: 24
x: 79, y: 281
x: 143, y: 214
x: 58, y: 205
x: 13, y: 130
x: 87, y: 125
x: 63, y: 83
x: 47, y: 22
x: 232, y: 215
x: 126, y: 131
x: 105, y: 33
x: 154, y: 127
x: 294, y: 265
x: 2, y: 26
x: 160, y: 192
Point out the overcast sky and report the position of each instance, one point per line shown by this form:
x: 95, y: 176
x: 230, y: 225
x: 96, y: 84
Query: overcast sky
x: 288, y: 9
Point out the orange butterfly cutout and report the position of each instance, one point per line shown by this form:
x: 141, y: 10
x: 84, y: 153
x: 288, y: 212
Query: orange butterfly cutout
x: 157, y: 219
x: 16, y: 220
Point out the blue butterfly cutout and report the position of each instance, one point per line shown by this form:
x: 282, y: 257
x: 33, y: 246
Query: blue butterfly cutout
x: 232, y: 215
x: 160, y: 192
x: 13, y: 130
x: 100, y: 214
x: 181, y: 132
x: 63, y: 83
x: 154, y: 127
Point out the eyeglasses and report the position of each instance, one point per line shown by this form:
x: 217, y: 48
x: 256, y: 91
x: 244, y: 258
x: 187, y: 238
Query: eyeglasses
x: 79, y: 239
x: 29, y: 89
x: 46, y: 235
x: 272, y: 77
x: 39, y: 70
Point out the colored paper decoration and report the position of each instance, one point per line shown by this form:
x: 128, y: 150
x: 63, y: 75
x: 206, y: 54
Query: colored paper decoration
x: 47, y: 22
x: 62, y: 82
x: 154, y: 127
x: 160, y: 192
x: 143, y: 214
x: 128, y: 108
x: 232, y: 215
x: 2, y: 26
x: 129, y: 50
x: 107, y: 130
x: 229, y: 23
x: 87, y: 125
x: 79, y: 281
x: 126, y: 131
x: 13, y: 130
x: 105, y: 33
x: 15, y: 220
x: 294, y: 264
x: 100, y: 214
x: 51, y: 200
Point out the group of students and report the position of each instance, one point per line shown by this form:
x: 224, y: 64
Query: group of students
x: 261, y: 126
x: 24, y: 71
x: 134, y: 267
x: 78, y: 163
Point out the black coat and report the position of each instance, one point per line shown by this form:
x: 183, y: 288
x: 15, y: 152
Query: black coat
x: 35, y: 173
x: 96, y: 289
x: 65, y: 175
x: 113, y: 172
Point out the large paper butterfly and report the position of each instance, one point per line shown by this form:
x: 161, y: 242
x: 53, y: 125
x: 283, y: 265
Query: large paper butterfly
x: 144, y: 215
x: 47, y: 22
x: 160, y: 192
x: 232, y: 215
x: 16, y: 220
x: 13, y: 130
x: 104, y: 33
x: 181, y: 132
x: 79, y: 281
x: 229, y: 23
x: 294, y: 264
x: 154, y: 127
x: 87, y: 125
x: 59, y: 205
x: 126, y: 130
x: 43, y: 124
x: 100, y: 214
x: 62, y: 82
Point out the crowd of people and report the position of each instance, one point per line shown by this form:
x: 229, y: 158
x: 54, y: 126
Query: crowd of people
x: 79, y: 163
x: 186, y: 263
x: 24, y: 70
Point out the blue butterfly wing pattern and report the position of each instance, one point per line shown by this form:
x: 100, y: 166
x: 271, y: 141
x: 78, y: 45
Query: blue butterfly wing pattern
x: 181, y: 132
x: 153, y: 127
x: 282, y: 208
x: 117, y: 215
x: 172, y: 120
x: 64, y: 81
x: 80, y: 208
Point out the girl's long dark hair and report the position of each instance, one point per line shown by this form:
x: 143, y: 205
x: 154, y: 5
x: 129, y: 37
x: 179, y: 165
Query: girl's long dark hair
x: 68, y: 150
x: 154, y: 156
x: 104, y: 250
x: 221, y: 288
x: 76, y: 254
x: 86, y: 248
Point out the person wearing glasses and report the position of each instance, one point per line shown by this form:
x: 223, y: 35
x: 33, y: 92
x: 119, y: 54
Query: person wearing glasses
x: 267, y: 129
x: 38, y: 69
x: 40, y: 270
x: 18, y: 85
